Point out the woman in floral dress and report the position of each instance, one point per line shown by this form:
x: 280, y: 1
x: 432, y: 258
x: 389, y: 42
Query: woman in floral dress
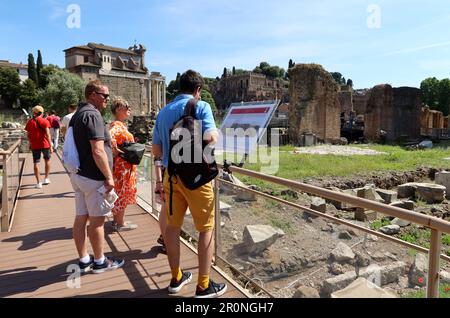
x: 124, y: 173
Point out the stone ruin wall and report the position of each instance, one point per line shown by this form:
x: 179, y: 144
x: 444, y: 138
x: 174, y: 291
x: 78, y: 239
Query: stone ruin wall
x: 379, y: 112
x: 346, y: 101
x: 407, y: 108
x: 135, y: 91
x: 314, y: 103
x: 397, y: 111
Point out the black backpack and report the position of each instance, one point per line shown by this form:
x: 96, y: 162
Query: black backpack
x: 201, y: 167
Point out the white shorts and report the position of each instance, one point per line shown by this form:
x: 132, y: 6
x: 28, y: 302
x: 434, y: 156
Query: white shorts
x: 88, y: 201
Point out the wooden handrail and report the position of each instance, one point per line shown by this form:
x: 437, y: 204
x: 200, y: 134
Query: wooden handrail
x: 11, y: 149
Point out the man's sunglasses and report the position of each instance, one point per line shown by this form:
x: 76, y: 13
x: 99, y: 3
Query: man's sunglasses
x: 105, y: 96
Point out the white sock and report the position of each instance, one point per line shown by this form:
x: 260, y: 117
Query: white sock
x: 85, y: 259
x: 100, y: 261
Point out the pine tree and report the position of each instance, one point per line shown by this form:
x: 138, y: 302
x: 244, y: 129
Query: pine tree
x: 225, y: 72
x: 291, y: 63
x: 39, y: 67
x: 32, y: 74
x: 234, y: 70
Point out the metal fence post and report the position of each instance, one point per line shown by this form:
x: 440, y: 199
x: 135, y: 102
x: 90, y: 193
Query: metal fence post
x: 433, y: 264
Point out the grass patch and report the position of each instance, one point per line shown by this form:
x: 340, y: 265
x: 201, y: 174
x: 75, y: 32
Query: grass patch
x: 446, y: 239
x: 284, y: 225
x: 444, y: 292
x: 378, y: 224
x: 301, y: 166
x: 412, y: 252
x: 417, y: 237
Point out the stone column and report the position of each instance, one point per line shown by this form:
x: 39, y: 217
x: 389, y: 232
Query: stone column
x: 150, y: 106
x: 164, y: 94
x: 158, y: 97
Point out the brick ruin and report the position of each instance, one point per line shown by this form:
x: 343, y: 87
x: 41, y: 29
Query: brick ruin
x: 314, y: 104
x: 392, y: 112
x: 432, y: 122
x: 248, y: 87
x: 319, y: 106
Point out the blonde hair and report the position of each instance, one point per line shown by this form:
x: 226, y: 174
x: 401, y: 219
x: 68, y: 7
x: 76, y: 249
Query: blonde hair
x: 38, y: 110
x: 119, y: 102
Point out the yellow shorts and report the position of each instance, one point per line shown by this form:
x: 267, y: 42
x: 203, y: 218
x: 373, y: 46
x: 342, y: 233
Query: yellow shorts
x: 200, y: 203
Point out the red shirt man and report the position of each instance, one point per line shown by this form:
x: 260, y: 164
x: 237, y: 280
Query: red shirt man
x: 38, y: 130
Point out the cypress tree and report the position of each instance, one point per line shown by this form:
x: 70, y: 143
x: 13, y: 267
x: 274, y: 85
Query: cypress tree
x: 32, y: 74
x: 39, y: 67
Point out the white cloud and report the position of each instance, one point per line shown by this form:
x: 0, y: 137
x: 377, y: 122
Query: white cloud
x: 417, y: 49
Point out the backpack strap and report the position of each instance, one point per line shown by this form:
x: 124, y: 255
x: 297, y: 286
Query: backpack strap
x: 190, y: 108
x: 37, y: 123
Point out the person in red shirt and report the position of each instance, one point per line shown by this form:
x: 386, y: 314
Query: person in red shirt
x: 38, y: 130
x: 55, y: 124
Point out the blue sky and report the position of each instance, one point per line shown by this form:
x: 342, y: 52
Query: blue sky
x: 412, y: 43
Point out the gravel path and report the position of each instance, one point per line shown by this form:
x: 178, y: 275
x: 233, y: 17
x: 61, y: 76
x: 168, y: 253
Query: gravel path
x: 338, y: 151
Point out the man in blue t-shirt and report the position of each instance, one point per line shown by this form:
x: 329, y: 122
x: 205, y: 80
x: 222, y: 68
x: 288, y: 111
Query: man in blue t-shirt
x: 200, y: 201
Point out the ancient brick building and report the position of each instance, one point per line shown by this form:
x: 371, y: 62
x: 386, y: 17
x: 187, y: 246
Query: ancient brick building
x: 360, y: 98
x: 314, y: 104
x: 248, y: 87
x: 123, y: 71
x: 346, y: 98
x: 396, y: 111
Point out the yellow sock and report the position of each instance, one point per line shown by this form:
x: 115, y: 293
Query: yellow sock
x: 203, y: 281
x: 177, y: 274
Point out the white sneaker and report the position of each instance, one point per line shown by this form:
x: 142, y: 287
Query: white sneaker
x: 39, y: 186
x: 46, y: 182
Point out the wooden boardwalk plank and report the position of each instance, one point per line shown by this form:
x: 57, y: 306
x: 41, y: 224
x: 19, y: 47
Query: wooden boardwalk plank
x: 40, y: 248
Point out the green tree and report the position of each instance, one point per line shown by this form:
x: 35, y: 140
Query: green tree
x: 32, y: 73
x: 45, y: 73
x: 444, y: 96
x: 225, y: 72
x: 264, y: 65
x: 63, y: 89
x: 207, y: 97
x: 291, y: 63
x: 234, y: 70
x: 9, y: 85
x: 39, y: 67
x: 349, y: 82
x: 257, y: 70
x: 337, y: 77
x: 173, y: 88
x: 28, y: 94
x: 430, y: 91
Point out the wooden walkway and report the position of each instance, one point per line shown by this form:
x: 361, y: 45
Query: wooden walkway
x: 35, y: 255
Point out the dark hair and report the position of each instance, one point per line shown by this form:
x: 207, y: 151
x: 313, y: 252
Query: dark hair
x: 73, y: 107
x: 190, y: 81
x: 91, y: 87
x: 52, y: 112
x: 119, y: 102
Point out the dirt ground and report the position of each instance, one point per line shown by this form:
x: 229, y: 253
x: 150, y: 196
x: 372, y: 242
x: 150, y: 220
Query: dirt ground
x: 301, y: 257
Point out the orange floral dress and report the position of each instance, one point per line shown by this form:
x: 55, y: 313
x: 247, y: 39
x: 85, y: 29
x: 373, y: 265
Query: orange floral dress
x: 124, y: 173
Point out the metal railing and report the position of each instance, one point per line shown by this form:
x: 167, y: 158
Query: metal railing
x: 437, y: 226
x: 11, y: 168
